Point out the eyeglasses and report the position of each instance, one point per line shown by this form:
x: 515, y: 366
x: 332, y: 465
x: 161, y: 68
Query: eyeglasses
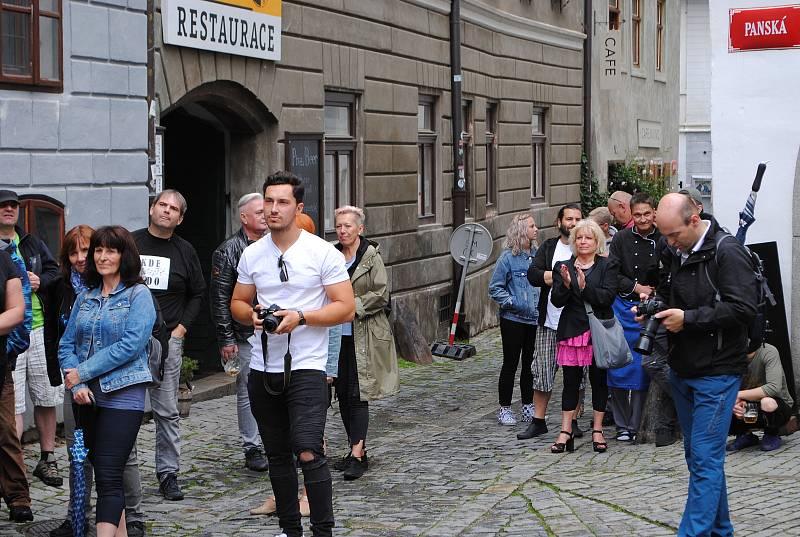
x: 9, y: 203
x: 282, y: 268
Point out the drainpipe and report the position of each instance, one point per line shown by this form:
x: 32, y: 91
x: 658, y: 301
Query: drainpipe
x: 458, y: 196
x: 588, y: 28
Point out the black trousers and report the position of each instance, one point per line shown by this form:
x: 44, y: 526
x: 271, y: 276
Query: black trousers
x: 518, y: 341
x: 572, y: 383
x: 769, y: 421
x: 110, y: 435
x: 291, y: 424
x: 354, y: 411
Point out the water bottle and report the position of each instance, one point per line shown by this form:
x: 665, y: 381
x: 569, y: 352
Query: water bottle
x: 232, y: 366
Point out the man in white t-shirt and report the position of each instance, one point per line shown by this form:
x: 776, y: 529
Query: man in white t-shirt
x: 306, y: 278
x: 540, y: 274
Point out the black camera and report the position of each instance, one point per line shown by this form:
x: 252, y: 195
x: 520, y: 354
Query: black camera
x: 268, y: 317
x: 648, y: 309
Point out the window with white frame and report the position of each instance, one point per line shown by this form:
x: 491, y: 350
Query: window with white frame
x: 340, y: 148
x: 426, y: 147
x: 491, y: 153
x: 538, y: 164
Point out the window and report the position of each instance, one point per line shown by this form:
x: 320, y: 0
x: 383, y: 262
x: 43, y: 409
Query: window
x: 636, y: 31
x: 538, y: 141
x: 491, y: 154
x: 466, y: 136
x: 426, y: 145
x: 43, y: 216
x: 340, y: 148
x: 30, y: 43
x: 613, y: 14
x: 660, y: 36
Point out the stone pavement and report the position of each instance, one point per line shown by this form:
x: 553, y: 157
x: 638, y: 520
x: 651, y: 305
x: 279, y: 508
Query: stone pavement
x: 440, y: 465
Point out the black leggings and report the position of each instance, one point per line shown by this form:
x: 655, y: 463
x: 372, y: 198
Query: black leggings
x: 572, y: 382
x: 110, y: 435
x: 355, y: 412
x: 518, y: 338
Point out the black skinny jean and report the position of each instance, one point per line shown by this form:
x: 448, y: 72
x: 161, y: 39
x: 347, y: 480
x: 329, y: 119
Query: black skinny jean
x: 572, y: 383
x: 354, y: 411
x: 518, y: 340
x: 110, y: 435
x: 291, y: 424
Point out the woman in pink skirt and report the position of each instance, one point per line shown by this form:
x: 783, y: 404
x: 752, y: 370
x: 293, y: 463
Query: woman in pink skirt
x: 586, y: 277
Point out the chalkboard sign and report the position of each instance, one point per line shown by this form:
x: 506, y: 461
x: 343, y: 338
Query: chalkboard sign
x: 304, y: 158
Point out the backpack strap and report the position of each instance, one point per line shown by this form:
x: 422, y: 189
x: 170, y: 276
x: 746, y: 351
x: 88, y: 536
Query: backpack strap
x: 721, y: 236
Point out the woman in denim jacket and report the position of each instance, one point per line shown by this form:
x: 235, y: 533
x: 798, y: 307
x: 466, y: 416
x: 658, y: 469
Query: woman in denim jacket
x: 518, y: 301
x: 103, y: 354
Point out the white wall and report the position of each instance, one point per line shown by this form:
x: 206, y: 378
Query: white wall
x: 755, y: 116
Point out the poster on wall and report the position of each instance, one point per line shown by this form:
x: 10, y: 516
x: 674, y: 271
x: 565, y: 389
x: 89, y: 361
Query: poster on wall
x: 303, y: 158
x: 240, y: 27
x: 764, y: 28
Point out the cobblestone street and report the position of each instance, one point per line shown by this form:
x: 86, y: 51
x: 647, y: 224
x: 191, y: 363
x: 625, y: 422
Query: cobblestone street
x: 442, y: 466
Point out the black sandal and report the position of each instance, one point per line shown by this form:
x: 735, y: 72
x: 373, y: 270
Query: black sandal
x: 561, y: 447
x: 599, y: 447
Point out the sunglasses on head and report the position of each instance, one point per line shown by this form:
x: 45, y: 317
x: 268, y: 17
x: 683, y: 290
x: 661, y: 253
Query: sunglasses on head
x: 284, y: 274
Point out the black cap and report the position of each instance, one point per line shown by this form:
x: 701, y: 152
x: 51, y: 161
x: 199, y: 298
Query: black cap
x: 8, y: 195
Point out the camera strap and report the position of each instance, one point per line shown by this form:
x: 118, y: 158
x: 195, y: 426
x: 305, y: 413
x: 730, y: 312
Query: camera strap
x: 287, y: 363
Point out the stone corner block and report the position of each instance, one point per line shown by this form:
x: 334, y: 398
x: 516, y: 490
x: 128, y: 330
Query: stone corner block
x: 89, y: 30
x: 128, y: 36
x: 128, y: 124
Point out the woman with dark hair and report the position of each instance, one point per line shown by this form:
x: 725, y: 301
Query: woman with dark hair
x: 103, y: 354
x: 586, y: 278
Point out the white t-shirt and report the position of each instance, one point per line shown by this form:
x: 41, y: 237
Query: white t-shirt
x: 311, y: 263
x: 562, y: 253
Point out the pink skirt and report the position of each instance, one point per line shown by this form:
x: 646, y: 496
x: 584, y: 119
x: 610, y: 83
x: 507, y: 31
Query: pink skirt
x: 576, y: 350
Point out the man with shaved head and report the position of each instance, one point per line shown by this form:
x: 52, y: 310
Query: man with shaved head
x: 619, y: 204
x: 704, y: 280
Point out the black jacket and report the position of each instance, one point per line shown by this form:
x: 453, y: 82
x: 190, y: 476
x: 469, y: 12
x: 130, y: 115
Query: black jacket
x: 636, y: 260
x: 600, y: 291
x: 223, y: 279
x: 541, y: 264
x: 714, y: 336
x: 60, y: 298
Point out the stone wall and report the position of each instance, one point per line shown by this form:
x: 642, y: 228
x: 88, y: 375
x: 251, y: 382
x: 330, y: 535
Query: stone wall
x: 87, y: 146
x: 388, y: 53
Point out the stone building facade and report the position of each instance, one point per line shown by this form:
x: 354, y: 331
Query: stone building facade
x: 79, y: 136
x: 373, y: 80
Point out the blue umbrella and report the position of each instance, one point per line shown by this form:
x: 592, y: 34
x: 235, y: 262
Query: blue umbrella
x: 747, y: 216
x: 79, y: 454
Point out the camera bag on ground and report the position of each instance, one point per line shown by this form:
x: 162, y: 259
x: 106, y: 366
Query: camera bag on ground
x: 157, y: 346
x: 758, y: 328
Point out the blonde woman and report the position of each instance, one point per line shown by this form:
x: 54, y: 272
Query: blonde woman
x: 586, y: 277
x: 518, y: 301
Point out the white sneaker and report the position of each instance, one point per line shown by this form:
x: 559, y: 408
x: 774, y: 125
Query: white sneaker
x: 284, y: 535
x: 506, y: 416
x: 527, y: 413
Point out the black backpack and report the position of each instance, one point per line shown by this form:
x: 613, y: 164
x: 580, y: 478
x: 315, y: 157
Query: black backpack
x: 158, y: 346
x: 760, y: 326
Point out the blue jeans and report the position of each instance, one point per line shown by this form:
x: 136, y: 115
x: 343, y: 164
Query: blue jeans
x: 704, y: 406
x: 247, y: 423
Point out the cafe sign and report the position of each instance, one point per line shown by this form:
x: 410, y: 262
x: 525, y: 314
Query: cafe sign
x: 241, y: 27
x: 764, y: 28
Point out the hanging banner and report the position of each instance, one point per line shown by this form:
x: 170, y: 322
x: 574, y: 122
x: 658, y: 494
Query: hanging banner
x: 764, y: 28
x: 610, y: 76
x: 241, y: 27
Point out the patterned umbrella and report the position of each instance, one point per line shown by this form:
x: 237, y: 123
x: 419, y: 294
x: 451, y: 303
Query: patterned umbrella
x: 79, y: 454
x: 747, y: 216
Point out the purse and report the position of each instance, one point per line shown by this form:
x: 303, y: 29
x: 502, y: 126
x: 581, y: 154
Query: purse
x: 609, y: 345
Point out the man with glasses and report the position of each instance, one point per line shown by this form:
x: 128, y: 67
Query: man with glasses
x: 172, y: 272
x: 305, y: 277
x: 31, y: 374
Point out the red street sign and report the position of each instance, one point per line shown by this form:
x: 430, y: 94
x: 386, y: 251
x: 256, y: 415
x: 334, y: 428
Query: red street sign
x: 764, y: 28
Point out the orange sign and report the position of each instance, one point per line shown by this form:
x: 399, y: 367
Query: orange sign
x: 268, y: 7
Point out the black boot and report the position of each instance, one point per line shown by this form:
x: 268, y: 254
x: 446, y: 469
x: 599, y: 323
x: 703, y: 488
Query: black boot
x: 536, y: 427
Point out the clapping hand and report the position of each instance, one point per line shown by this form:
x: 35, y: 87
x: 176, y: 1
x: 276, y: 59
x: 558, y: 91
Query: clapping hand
x: 565, y: 275
x: 581, y: 278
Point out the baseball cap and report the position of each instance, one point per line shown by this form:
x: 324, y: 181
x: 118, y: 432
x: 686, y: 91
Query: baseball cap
x: 8, y: 195
x: 692, y: 193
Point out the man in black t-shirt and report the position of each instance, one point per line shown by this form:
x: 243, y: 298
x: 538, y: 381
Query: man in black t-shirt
x: 172, y: 271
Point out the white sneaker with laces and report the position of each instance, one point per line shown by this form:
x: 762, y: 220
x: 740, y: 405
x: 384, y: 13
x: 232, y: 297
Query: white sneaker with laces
x: 284, y: 535
x: 506, y: 416
x: 527, y: 413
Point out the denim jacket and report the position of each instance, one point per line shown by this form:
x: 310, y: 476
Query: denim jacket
x: 509, y: 287
x: 119, y: 327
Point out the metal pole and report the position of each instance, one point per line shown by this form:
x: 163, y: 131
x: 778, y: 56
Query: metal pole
x: 588, y: 27
x: 465, y: 269
x: 458, y: 194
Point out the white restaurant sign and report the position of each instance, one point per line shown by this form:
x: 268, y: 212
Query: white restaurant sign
x: 242, y: 27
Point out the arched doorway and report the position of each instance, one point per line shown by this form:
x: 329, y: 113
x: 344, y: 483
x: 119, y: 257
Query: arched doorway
x: 217, y: 141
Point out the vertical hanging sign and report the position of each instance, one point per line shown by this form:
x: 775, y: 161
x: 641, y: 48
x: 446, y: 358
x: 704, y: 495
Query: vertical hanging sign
x: 610, y: 76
